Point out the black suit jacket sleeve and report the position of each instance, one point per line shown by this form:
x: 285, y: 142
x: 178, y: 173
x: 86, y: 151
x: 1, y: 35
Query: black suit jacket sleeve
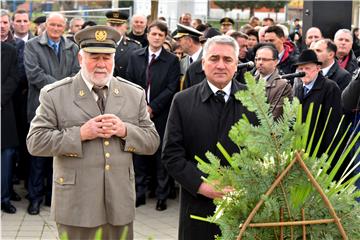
x: 351, y: 95
x: 174, y: 152
x: 9, y: 79
x: 163, y: 99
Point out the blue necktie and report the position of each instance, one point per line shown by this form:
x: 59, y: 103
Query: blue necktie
x: 306, y: 91
x: 56, y: 50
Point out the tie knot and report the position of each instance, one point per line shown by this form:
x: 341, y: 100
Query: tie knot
x: 100, y: 91
x: 220, y: 95
x: 191, y: 60
x: 306, y: 90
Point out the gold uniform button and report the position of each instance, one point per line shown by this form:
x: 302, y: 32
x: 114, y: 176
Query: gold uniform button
x: 107, y: 155
x: 106, y: 143
x: 61, y: 180
x: 107, y: 167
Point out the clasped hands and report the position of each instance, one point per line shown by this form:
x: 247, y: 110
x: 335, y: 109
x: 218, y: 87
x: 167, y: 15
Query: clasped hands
x: 103, y: 126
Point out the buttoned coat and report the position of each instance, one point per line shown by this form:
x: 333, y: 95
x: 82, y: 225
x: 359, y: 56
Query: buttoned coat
x: 43, y: 67
x: 94, y: 179
x: 197, y: 121
x: 276, y: 90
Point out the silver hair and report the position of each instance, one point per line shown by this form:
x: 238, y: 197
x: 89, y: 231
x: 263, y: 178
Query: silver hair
x: 221, y: 39
x: 74, y: 19
x: 4, y: 12
x: 344, y: 30
x: 56, y: 14
x: 138, y: 15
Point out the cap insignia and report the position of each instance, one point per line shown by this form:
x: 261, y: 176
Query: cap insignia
x: 100, y: 36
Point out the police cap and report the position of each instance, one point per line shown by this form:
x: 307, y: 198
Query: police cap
x: 97, y: 39
x: 183, y: 30
x: 116, y: 17
x: 227, y: 20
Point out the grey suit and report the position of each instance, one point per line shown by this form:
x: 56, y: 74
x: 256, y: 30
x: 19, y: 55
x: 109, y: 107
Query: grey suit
x: 93, y: 180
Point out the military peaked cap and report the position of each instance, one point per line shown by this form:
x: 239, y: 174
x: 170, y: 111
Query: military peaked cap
x: 116, y: 17
x: 183, y: 30
x: 227, y: 20
x: 97, y: 39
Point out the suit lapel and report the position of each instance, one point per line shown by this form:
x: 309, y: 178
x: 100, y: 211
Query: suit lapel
x: 84, y: 98
x: 115, y: 99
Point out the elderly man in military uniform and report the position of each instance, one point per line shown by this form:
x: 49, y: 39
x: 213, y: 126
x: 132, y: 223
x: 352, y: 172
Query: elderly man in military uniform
x: 92, y: 124
x: 118, y: 21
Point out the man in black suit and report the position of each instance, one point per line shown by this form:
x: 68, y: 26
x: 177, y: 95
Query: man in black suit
x: 118, y: 21
x: 158, y: 72
x: 9, y: 139
x: 317, y: 89
x: 325, y: 50
x: 200, y: 117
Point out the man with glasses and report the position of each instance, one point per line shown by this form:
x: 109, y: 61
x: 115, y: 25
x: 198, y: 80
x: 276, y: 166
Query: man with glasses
x: 276, y: 89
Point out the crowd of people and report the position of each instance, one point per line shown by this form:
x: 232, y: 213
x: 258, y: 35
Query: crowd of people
x: 96, y: 119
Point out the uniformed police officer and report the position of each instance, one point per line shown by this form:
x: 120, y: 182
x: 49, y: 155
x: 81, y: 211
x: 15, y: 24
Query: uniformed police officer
x: 92, y: 124
x: 118, y: 21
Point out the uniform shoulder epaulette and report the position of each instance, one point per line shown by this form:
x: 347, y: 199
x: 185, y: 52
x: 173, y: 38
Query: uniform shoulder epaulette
x: 128, y: 82
x: 57, y: 84
x: 133, y: 40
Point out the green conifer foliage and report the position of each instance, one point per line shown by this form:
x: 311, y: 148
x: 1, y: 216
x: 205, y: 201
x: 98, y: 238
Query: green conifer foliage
x: 265, y: 150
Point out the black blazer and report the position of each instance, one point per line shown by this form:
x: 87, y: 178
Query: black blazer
x: 165, y: 78
x: 194, y: 74
x: 339, y: 75
x: 325, y: 92
x: 9, y: 83
x: 196, y: 123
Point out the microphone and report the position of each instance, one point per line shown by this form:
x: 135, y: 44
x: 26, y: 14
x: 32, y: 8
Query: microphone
x: 249, y: 64
x: 292, y: 75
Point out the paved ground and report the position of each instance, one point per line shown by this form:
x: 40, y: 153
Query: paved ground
x: 149, y: 223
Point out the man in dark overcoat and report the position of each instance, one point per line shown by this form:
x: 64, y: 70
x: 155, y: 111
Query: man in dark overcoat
x: 200, y: 117
x: 317, y: 89
x: 9, y: 137
x: 158, y: 72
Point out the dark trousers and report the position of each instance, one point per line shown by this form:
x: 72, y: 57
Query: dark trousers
x: 7, y: 157
x: 142, y: 166
x: 40, y: 172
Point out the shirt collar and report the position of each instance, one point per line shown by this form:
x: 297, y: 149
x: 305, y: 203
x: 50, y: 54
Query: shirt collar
x: 311, y: 84
x: 281, y: 55
x: 266, y: 77
x: 51, y: 42
x: 25, y: 38
x: 326, y: 69
x: 226, y: 89
x: 157, y: 53
x: 196, y: 55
